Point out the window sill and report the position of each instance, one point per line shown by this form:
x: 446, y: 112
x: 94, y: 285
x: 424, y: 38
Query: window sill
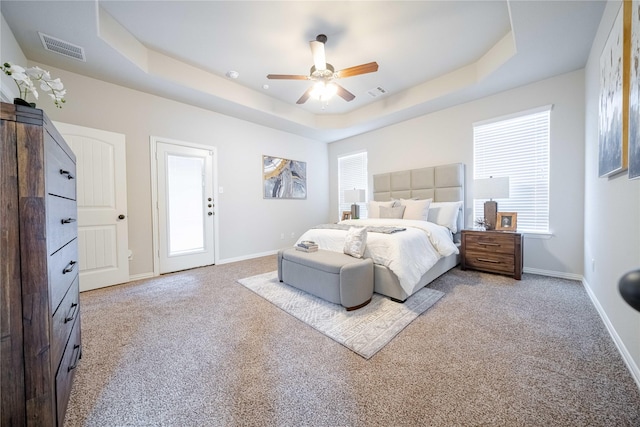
x: 537, y: 234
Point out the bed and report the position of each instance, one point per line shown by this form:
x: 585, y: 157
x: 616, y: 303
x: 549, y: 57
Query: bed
x: 427, y: 249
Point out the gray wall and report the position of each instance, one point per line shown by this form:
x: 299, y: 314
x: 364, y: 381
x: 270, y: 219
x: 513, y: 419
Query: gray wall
x: 447, y: 137
x: 612, y: 220
x: 248, y: 224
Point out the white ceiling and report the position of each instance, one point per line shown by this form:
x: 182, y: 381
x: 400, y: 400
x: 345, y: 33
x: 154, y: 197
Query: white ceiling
x: 431, y: 54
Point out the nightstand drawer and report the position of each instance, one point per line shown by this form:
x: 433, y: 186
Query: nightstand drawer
x: 492, y: 251
x: 490, y: 242
x: 494, y: 262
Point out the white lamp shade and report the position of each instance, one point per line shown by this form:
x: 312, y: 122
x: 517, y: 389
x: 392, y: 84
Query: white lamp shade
x: 491, y: 188
x: 354, y: 196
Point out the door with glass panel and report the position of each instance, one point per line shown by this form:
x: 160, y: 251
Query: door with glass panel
x: 185, y: 207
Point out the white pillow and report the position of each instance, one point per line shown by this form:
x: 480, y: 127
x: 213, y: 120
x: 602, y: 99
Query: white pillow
x: 356, y: 241
x: 395, y: 212
x: 445, y: 214
x: 373, y: 207
x: 416, y: 209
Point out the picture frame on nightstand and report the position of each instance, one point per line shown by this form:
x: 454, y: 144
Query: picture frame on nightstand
x: 507, y: 221
x: 346, y: 215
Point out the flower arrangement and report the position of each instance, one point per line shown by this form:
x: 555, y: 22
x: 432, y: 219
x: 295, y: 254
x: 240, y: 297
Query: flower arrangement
x: 26, y: 77
x: 483, y: 223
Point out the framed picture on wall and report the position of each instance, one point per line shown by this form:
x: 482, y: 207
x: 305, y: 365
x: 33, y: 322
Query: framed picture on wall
x: 507, y: 221
x: 612, y: 152
x: 284, y: 178
x: 634, y: 91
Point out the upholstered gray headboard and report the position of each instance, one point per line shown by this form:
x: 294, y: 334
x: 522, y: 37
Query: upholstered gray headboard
x: 441, y: 183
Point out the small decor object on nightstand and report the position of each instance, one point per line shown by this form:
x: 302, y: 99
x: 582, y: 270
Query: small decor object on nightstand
x: 482, y: 224
x: 507, y: 221
x: 346, y: 215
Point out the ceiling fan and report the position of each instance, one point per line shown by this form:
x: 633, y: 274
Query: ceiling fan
x: 325, y: 75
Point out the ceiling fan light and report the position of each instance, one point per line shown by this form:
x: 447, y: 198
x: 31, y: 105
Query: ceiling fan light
x: 323, y: 91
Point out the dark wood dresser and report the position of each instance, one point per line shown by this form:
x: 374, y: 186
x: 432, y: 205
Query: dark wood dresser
x: 492, y: 251
x: 39, y: 306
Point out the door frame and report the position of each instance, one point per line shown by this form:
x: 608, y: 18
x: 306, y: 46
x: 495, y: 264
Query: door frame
x: 153, y: 149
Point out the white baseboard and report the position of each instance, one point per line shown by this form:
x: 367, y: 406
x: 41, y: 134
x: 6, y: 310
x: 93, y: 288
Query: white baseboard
x: 622, y: 349
x: 141, y: 276
x: 246, y: 257
x: 559, y: 274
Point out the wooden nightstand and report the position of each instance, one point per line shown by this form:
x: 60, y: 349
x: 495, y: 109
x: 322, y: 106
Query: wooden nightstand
x: 493, y: 251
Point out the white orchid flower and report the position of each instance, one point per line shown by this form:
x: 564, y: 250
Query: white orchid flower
x: 25, y: 79
x: 16, y: 69
x: 56, y: 84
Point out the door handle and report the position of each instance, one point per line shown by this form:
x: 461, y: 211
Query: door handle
x: 121, y: 216
x: 629, y: 287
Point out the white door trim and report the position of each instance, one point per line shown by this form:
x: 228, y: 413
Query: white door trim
x: 153, y: 148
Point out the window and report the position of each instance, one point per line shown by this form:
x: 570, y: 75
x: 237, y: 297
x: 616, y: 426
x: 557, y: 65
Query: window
x: 352, y: 173
x: 517, y: 147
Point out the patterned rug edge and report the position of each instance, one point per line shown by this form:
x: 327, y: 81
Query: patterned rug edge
x: 404, y: 313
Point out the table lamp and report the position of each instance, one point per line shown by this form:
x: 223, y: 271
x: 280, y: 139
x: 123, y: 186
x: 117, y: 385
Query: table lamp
x: 354, y: 196
x: 491, y: 188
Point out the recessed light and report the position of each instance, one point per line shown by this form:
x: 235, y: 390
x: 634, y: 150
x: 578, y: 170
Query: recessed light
x: 232, y: 74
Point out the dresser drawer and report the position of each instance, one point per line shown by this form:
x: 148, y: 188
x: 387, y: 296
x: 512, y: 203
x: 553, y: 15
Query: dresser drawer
x: 62, y: 226
x: 63, y: 320
x: 494, y: 262
x: 60, y: 170
x: 67, y: 370
x: 493, y: 242
x: 63, y: 269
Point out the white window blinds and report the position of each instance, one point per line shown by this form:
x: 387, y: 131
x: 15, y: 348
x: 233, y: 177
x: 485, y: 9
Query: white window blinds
x: 352, y: 173
x: 518, y: 148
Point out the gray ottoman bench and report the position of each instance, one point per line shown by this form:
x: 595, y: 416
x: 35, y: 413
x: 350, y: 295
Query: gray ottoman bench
x: 332, y: 276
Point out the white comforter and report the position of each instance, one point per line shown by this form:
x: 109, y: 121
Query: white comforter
x: 409, y: 254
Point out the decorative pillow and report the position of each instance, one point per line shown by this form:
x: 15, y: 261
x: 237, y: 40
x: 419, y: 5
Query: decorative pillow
x: 395, y: 212
x: 356, y: 241
x: 416, y: 209
x: 445, y: 214
x: 373, y: 207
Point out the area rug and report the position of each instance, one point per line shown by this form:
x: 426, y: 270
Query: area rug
x: 365, y: 331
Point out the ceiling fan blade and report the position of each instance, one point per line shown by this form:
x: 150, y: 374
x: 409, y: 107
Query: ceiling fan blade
x: 343, y: 93
x: 305, y: 96
x: 317, y: 50
x: 287, y: 77
x: 358, y: 69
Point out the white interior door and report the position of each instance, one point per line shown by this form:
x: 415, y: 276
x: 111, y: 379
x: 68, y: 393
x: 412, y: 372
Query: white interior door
x: 103, y: 240
x: 185, y: 207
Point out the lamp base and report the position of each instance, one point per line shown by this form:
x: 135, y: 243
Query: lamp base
x: 491, y: 214
x: 355, y: 211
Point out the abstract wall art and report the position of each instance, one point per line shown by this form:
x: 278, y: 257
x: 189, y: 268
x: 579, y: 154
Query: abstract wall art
x: 284, y: 178
x: 611, y: 150
x: 634, y: 93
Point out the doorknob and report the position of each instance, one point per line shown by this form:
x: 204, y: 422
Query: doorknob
x: 629, y: 286
x: 120, y: 216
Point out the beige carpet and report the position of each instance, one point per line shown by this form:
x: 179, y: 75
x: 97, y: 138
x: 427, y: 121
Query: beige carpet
x: 365, y: 331
x: 198, y: 349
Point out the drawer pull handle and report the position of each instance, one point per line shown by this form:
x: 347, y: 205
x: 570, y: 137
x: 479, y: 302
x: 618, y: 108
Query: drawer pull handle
x: 493, y: 261
x: 68, y: 220
x: 72, y: 312
x: 488, y: 244
x: 64, y: 172
x: 76, y: 348
x: 69, y: 268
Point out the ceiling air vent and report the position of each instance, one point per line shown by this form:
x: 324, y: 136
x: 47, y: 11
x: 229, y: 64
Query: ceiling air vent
x: 62, y: 47
x: 376, y: 91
